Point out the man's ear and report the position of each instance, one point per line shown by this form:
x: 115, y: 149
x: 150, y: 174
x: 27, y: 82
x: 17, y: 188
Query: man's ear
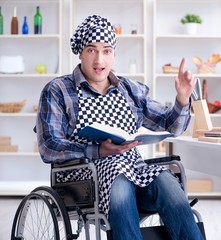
x: 79, y: 56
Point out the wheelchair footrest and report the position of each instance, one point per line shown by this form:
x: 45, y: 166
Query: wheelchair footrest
x: 156, y: 233
x: 160, y: 232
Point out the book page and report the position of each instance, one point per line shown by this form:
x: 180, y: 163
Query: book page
x: 120, y: 132
x: 116, y: 131
x: 145, y: 131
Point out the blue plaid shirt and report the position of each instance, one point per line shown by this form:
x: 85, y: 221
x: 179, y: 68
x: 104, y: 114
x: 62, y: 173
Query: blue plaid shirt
x: 58, y: 113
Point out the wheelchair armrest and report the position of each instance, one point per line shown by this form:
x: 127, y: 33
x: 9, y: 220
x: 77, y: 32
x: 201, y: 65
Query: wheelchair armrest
x: 163, y: 159
x: 74, y: 162
x: 72, y: 165
x: 171, y: 160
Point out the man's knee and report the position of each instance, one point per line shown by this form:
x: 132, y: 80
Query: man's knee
x: 167, y: 180
x: 171, y: 189
x: 168, y: 186
x: 123, y: 191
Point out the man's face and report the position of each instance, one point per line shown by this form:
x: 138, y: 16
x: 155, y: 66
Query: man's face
x: 96, y: 61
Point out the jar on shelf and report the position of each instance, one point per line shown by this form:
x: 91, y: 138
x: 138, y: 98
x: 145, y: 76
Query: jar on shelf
x: 117, y: 29
x: 133, y: 28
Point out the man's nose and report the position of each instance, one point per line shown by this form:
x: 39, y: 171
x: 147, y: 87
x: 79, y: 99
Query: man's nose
x: 99, y: 57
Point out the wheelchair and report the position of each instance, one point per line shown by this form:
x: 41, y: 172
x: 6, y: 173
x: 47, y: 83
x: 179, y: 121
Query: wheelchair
x: 64, y: 209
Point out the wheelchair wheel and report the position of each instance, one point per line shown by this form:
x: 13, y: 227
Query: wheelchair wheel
x: 35, y: 219
x: 41, y: 216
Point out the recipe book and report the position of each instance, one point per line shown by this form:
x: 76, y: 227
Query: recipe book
x: 99, y: 132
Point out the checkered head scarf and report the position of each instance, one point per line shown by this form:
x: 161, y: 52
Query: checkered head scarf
x: 93, y: 29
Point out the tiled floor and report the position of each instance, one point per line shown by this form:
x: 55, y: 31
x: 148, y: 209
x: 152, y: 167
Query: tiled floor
x: 209, y: 209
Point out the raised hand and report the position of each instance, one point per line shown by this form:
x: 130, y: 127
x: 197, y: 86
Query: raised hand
x: 184, y: 84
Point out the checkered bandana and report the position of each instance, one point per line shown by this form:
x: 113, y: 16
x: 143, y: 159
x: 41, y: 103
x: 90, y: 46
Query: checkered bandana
x: 93, y: 29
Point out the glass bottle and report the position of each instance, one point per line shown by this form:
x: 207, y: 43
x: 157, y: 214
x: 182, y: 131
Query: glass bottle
x: 25, y: 26
x: 37, y: 21
x: 14, y: 23
x: 1, y: 21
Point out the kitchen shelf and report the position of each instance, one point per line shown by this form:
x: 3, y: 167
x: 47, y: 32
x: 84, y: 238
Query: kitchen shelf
x: 119, y: 36
x: 20, y: 154
x: 131, y: 75
x: 24, y: 170
x: 164, y: 75
x: 171, y: 44
x: 29, y: 36
x: 20, y: 114
x: 184, y: 36
x: 20, y: 188
x: 29, y: 75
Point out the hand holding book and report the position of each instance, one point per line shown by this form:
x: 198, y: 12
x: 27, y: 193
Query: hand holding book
x: 99, y: 132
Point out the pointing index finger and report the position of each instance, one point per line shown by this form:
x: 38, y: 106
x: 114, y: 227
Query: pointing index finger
x: 181, y: 68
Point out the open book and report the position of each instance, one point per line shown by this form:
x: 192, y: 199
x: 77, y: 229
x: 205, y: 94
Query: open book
x: 99, y: 132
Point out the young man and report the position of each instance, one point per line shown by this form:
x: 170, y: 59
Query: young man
x: 94, y: 93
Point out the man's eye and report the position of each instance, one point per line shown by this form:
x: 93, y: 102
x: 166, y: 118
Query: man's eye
x: 108, y: 52
x: 91, y: 50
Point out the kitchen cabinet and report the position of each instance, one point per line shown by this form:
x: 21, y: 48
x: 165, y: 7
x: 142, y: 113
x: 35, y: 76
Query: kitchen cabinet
x: 171, y: 43
x: 160, y: 39
x: 23, y: 170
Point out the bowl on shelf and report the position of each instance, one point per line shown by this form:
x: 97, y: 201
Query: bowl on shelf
x: 213, y: 108
x: 169, y: 69
x: 35, y: 108
x: 11, y: 107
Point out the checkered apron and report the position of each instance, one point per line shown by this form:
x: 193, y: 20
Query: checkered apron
x: 111, y: 109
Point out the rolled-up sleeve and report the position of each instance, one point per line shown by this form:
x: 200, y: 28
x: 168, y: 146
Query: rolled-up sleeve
x: 56, y: 120
x: 151, y: 113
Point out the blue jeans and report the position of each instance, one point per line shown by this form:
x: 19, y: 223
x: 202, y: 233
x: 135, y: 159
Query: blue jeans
x: 163, y: 195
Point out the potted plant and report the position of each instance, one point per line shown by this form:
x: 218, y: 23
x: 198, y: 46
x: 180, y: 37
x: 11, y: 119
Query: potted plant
x: 192, y: 22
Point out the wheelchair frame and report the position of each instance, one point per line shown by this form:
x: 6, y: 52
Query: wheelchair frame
x: 51, y: 218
